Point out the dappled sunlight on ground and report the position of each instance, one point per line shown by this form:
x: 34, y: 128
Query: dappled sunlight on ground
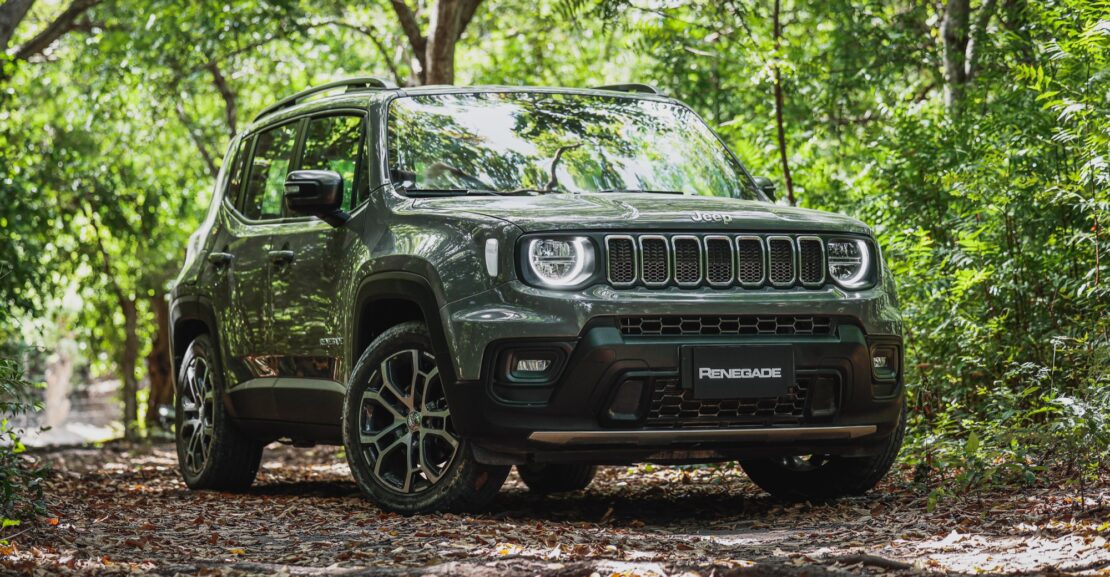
x: 123, y: 510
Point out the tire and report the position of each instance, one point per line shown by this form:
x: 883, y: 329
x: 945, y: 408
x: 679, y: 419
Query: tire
x: 547, y: 478
x: 400, y: 444
x: 822, y: 477
x: 212, y: 452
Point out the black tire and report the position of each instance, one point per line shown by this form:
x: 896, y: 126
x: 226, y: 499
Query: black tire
x: 389, y: 427
x: 821, y: 477
x: 552, y: 478
x: 212, y: 452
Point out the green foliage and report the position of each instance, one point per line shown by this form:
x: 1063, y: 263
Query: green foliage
x: 991, y: 210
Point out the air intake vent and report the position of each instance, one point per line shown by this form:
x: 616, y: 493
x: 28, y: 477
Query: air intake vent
x: 718, y: 260
x: 811, y: 260
x: 726, y: 325
x: 749, y: 258
x: 656, y: 260
x: 780, y: 250
x: 622, y: 260
x: 687, y: 260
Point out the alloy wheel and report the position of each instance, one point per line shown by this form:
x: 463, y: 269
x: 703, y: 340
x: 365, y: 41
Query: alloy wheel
x: 405, y: 428
x: 197, y: 407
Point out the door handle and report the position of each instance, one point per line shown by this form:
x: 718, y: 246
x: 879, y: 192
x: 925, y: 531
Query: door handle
x: 219, y: 259
x: 281, y: 256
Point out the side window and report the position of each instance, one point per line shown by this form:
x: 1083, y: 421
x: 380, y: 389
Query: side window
x: 273, y: 155
x: 235, y: 181
x: 333, y: 143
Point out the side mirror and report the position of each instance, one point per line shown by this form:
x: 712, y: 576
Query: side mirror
x: 766, y: 186
x: 316, y: 193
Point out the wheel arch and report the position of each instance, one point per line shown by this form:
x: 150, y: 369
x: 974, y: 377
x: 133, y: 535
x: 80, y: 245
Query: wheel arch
x: 190, y: 317
x: 386, y: 299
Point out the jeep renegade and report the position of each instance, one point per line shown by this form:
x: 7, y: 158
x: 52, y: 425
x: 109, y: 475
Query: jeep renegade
x: 453, y: 281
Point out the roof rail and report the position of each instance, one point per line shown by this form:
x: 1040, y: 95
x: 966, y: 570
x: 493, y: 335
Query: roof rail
x: 632, y: 87
x: 351, y: 84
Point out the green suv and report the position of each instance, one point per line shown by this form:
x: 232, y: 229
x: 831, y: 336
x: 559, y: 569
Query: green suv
x: 453, y: 281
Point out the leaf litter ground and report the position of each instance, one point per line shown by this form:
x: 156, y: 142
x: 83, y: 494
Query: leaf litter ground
x: 124, y: 510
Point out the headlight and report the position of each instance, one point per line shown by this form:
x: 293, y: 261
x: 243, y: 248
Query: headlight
x: 849, y: 262
x: 564, y: 262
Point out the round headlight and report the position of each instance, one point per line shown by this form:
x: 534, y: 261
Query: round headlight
x: 560, y: 262
x: 849, y: 262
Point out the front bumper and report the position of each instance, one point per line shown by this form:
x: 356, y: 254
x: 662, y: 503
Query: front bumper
x: 838, y: 406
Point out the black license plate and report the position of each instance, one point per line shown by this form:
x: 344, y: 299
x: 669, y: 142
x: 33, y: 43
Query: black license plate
x: 738, y: 372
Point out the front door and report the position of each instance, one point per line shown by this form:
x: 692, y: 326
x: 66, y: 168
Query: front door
x: 306, y: 282
x: 247, y: 324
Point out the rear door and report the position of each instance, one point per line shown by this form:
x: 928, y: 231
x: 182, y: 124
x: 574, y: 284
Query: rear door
x: 246, y: 317
x: 306, y: 284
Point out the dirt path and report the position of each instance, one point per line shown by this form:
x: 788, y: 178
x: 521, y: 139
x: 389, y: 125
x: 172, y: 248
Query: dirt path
x: 126, y: 511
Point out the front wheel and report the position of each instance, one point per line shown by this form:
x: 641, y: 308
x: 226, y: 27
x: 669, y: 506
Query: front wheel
x: 397, y: 431
x: 821, y: 477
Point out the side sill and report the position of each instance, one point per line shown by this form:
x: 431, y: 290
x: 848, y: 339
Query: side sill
x: 665, y: 437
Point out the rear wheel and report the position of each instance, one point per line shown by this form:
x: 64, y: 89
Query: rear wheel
x: 211, y: 451
x: 547, y: 478
x: 820, y: 477
x: 397, y: 431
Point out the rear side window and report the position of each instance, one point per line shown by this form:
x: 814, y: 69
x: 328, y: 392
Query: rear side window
x: 334, y: 143
x: 273, y: 155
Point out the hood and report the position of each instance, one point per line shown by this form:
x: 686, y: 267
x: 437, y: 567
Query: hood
x: 618, y: 211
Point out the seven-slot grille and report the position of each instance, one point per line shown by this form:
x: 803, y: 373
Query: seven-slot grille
x: 652, y: 260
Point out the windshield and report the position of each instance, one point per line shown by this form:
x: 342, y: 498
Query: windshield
x: 541, y: 142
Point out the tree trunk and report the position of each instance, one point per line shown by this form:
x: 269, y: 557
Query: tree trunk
x: 59, y: 373
x: 159, y: 369
x: 779, y: 101
x: 954, y: 34
x: 435, y: 53
x: 12, y: 13
x: 129, y: 358
x: 440, y: 57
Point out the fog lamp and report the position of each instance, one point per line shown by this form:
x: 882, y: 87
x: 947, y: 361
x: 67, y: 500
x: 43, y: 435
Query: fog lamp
x: 531, y: 367
x: 885, y: 362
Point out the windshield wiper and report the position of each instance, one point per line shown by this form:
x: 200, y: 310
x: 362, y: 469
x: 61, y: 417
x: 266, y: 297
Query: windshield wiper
x: 640, y: 190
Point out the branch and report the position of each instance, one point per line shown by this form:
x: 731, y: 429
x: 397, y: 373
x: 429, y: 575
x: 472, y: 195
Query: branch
x: 466, y: 14
x: 227, y: 94
x: 373, y: 34
x: 197, y: 140
x: 65, y: 22
x: 105, y: 261
x: 411, y: 28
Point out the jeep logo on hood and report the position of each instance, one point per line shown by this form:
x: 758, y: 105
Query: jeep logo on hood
x: 711, y: 217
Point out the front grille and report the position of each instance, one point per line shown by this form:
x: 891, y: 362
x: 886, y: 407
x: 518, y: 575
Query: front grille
x: 718, y: 260
x: 726, y: 325
x: 656, y: 260
x: 673, y: 407
x: 749, y: 261
x: 622, y: 259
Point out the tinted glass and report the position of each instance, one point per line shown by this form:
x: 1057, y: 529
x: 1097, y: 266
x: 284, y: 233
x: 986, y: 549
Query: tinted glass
x: 509, y: 141
x: 272, y: 157
x: 332, y: 143
x: 235, y: 182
